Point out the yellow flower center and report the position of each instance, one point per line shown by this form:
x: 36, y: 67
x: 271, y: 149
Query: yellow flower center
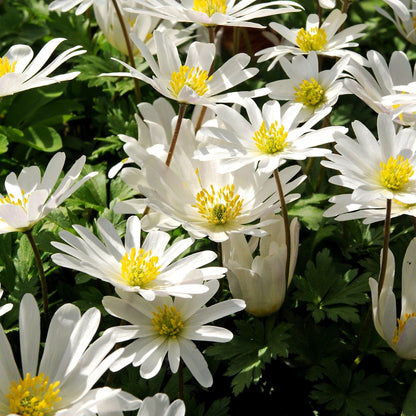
x: 20, y: 200
x: 168, y: 321
x: 6, y: 67
x: 395, y: 173
x: 139, y: 269
x: 313, y: 40
x: 270, y: 141
x: 400, y: 326
x: 414, y: 22
x: 194, y: 78
x: 33, y: 396
x: 310, y: 93
x: 210, y: 7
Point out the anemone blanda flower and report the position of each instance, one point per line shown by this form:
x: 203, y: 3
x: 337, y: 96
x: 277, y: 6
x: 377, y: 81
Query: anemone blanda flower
x: 375, y: 91
x: 191, y: 83
x: 66, y: 5
x: 62, y: 383
x: 20, y: 72
x: 315, y: 89
x: 324, y: 40
x: 270, y: 137
x: 400, y: 333
x: 159, y: 405
x: 327, y: 4
x: 29, y: 198
x: 169, y: 327
x: 375, y: 169
x: 147, y: 268
x: 215, y: 12
x: 5, y: 308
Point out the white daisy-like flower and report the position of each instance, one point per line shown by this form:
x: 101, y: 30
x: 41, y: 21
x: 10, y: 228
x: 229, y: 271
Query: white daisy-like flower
x: 159, y: 405
x: 400, y: 333
x: 169, y: 327
x: 206, y: 202
x: 29, y: 198
x: 375, y: 169
x: 404, y: 17
x: 20, y: 72
x: 191, y: 83
x: 147, y: 268
x: 270, y: 137
x: 315, y: 89
x: 379, y: 92
x: 66, y: 5
x: 61, y: 384
x: 5, y: 308
x: 215, y: 12
x: 324, y: 40
x: 327, y: 4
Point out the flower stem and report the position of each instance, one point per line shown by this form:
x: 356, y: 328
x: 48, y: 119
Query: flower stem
x: 129, y: 49
x: 285, y: 221
x: 383, y: 267
x: 182, y: 108
x: 42, y: 276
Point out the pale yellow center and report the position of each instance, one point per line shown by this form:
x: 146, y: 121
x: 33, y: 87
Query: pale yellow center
x: 395, y: 173
x: 168, y: 321
x: 313, y: 40
x: 210, y: 7
x: 139, y: 267
x: 6, y: 66
x: 33, y: 396
x: 272, y: 140
x: 400, y: 326
x: 310, y: 93
x: 19, y: 200
x: 194, y: 78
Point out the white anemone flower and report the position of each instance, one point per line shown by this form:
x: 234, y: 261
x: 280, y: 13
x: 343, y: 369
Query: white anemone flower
x: 206, y: 202
x: 215, y: 12
x: 270, y: 137
x: 379, y: 92
x: 29, y: 198
x: 327, y: 4
x: 325, y: 40
x: 404, y: 15
x: 375, y: 169
x: 66, y: 5
x: 159, y: 405
x: 62, y: 382
x: 315, y: 89
x: 147, y: 268
x: 20, y: 72
x: 261, y: 280
x: 400, y: 333
x: 5, y: 308
x: 169, y: 327
x: 191, y: 83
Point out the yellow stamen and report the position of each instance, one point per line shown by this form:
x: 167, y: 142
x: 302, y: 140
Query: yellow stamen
x: 313, y: 40
x: 33, y: 396
x: 168, y: 321
x: 270, y: 141
x: 210, y: 7
x: 310, y: 93
x: 400, y: 326
x: 139, y: 269
x: 20, y: 200
x: 194, y: 78
x: 6, y: 67
x: 395, y: 173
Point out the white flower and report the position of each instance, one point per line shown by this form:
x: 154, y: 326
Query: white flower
x: 324, y: 40
x: 147, y: 268
x: 65, y: 5
x: 315, y: 89
x: 270, y: 137
x: 380, y: 93
x: 5, y: 308
x: 168, y: 327
x: 400, y: 333
x: 158, y: 405
x: 404, y: 14
x: 29, y: 198
x: 190, y: 83
x: 206, y: 202
x: 261, y: 281
x: 18, y: 72
x: 375, y: 169
x: 327, y: 4
x: 215, y: 12
x: 70, y: 366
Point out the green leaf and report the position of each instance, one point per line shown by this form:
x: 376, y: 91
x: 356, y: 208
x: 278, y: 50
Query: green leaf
x: 3, y: 143
x: 409, y: 406
x: 308, y: 211
x: 45, y: 139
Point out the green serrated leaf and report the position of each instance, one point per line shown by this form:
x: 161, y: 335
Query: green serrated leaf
x: 45, y: 139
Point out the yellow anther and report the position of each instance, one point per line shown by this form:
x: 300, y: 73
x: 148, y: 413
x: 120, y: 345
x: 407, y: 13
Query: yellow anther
x: 6, y: 66
x: 168, y: 321
x: 313, y: 40
x: 194, y: 78
x: 210, y: 7
x: 400, y: 326
x: 310, y: 93
x: 272, y: 140
x: 395, y: 173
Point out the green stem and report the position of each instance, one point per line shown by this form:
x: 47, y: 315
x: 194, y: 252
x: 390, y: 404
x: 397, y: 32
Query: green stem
x: 383, y: 267
x: 42, y: 276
